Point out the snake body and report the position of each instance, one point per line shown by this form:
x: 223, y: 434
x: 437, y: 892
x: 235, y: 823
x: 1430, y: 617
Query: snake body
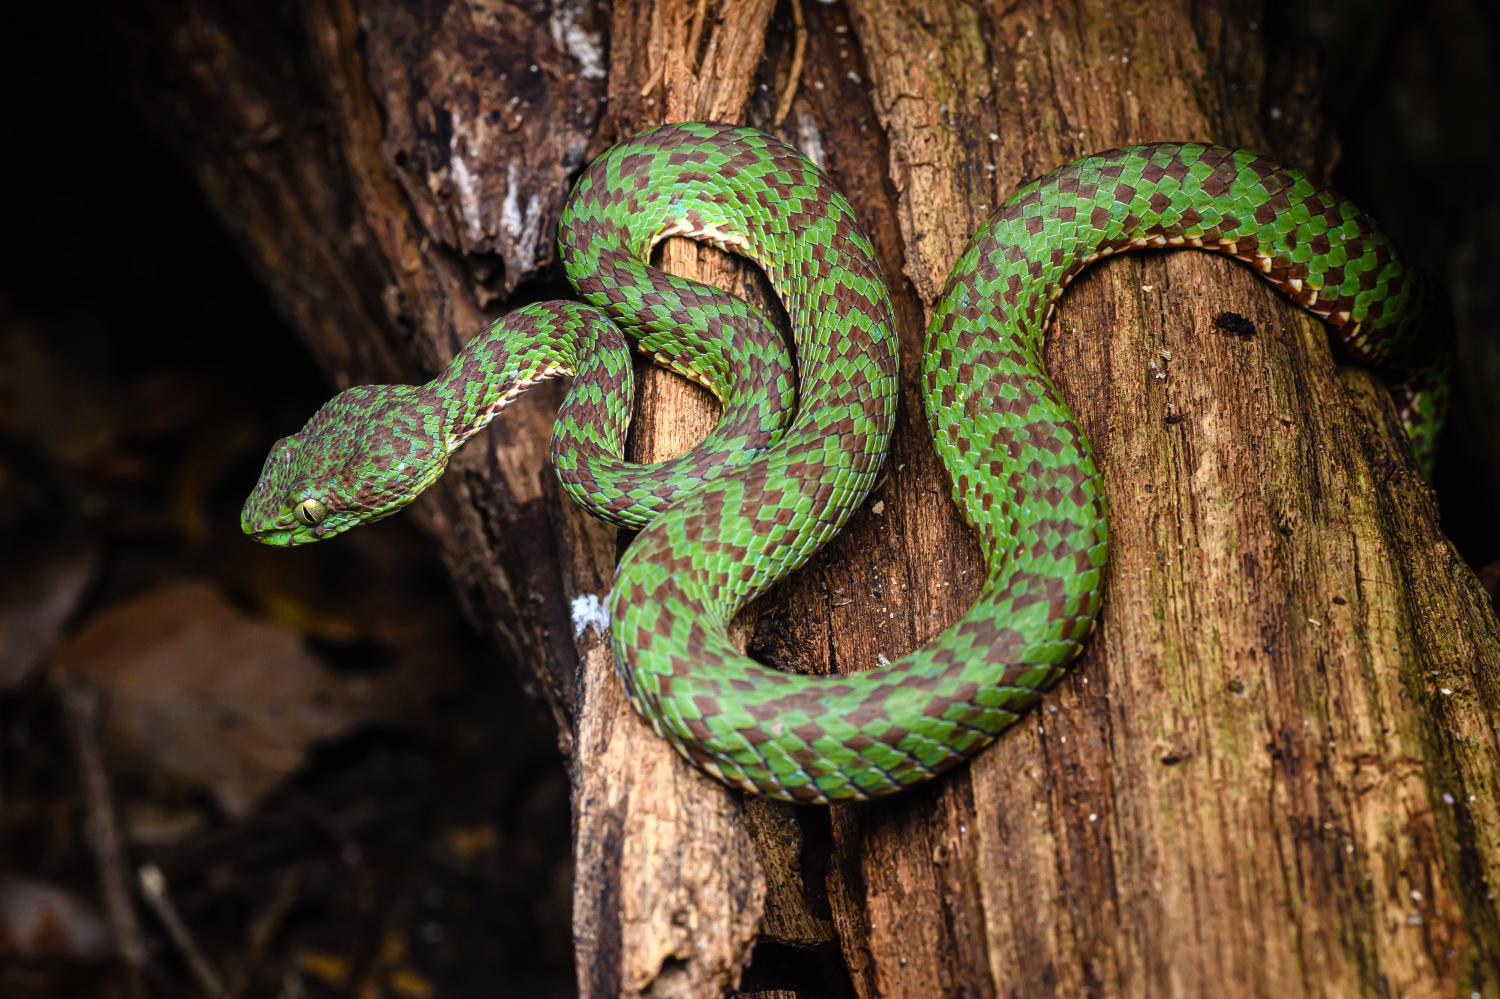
x: 800, y: 443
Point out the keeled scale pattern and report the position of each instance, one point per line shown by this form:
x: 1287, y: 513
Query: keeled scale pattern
x: 766, y: 490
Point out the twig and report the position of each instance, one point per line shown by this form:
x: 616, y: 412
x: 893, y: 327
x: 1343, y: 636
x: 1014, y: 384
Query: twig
x: 799, y: 49
x: 263, y: 930
x: 695, y: 33
x: 154, y: 890
x: 653, y: 79
x: 81, y: 708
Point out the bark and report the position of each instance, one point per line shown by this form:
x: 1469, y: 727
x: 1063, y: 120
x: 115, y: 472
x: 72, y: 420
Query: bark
x: 1275, y: 764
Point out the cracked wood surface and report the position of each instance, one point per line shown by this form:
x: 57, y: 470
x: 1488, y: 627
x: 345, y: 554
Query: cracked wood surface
x: 1272, y: 770
x: 669, y: 891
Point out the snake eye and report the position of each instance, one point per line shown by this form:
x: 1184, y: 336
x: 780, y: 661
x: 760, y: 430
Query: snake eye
x: 310, y: 511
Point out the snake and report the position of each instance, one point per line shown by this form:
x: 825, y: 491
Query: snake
x: 806, y: 425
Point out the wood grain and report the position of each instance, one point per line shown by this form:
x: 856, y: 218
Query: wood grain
x: 1236, y: 783
x: 669, y: 893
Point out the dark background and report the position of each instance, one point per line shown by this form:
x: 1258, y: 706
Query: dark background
x: 344, y: 789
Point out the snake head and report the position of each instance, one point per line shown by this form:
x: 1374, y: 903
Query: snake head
x: 367, y: 453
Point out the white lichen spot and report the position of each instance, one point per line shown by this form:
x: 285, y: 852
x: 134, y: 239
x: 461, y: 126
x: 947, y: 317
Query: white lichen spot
x: 589, y: 612
x: 522, y: 225
x: 585, y: 46
x: 810, y: 139
x: 465, y: 183
x: 881, y: 660
x: 878, y: 507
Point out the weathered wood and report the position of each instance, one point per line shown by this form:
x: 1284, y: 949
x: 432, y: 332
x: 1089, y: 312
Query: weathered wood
x: 1273, y: 768
x: 1243, y: 779
x: 669, y: 891
x: 394, y: 176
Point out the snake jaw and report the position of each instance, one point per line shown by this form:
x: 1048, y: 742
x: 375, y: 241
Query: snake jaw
x: 286, y: 532
x: 365, y: 454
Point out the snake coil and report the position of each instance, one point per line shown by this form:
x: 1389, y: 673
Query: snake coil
x: 798, y: 446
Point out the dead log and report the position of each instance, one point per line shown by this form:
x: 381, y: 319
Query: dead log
x: 1275, y: 765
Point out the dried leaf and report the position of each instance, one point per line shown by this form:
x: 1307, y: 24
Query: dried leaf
x: 207, y: 695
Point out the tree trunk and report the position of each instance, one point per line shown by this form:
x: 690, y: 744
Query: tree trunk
x: 1274, y: 767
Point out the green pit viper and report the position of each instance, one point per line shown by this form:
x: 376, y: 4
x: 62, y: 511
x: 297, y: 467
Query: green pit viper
x: 804, y: 432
